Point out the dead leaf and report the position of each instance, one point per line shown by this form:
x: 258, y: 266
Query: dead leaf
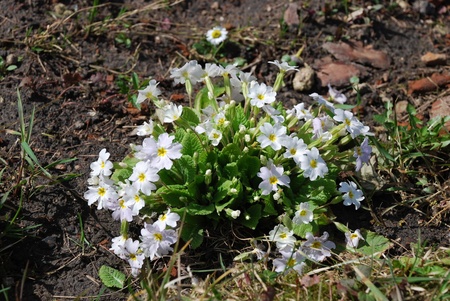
x: 354, y: 51
x: 338, y: 74
x: 71, y: 79
x: 291, y: 15
x: 434, y: 59
x: 428, y: 84
x: 441, y: 108
x: 308, y: 281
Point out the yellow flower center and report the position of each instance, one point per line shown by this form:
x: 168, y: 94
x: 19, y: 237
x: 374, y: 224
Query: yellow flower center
x: 149, y: 95
x: 293, y: 151
x: 303, y: 213
x: 216, y: 34
x: 102, y: 165
x: 313, y: 163
x: 351, y: 195
x: 260, y: 96
x: 133, y: 257
x: 273, y: 180
x: 158, y: 236
x: 353, y: 236
x: 347, y: 121
x: 102, y: 191
x: 283, y: 235
x: 162, y: 152
x: 216, y: 135
x: 316, y: 245
x: 122, y: 203
x: 163, y: 217
x: 272, y: 137
x: 137, y: 199
x: 358, y: 151
x: 291, y: 263
x: 141, y: 177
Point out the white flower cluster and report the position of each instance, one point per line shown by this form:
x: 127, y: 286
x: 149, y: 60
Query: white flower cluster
x: 268, y: 132
x: 125, y: 200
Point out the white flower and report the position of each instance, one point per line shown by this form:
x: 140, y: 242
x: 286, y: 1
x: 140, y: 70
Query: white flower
x: 282, y: 236
x: 313, y: 165
x: 352, y: 195
x: 172, y: 112
x: 260, y: 94
x: 157, y: 242
x: 216, y: 35
x: 295, y: 148
x: 167, y: 219
x: 352, y: 239
x: 161, y: 152
x: 322, y: 101
x: 235, y: 214
x: 211, y: 70
x: 353, y: 125
x: 304, y: 215
x: 321, y: 125
x: 272, y: 135
x: 362, y: 153
x: 145, y: 129
x: 336, y: 95
x: 290, y: 259
x: 284, y: 66
x: 102, y: 166
x: 215, y: 136
x: 273, y: 113
x: 318, y: 248
x: 121, y: 209
x: 149, y: 92
x: 143, y: 177
x: 131, y: 194
x: 118, y: 246
x: 134, y: 255
x: 301, y: 112
x: 272, y: 176
x: 191, y: 71
x: 103, y: 193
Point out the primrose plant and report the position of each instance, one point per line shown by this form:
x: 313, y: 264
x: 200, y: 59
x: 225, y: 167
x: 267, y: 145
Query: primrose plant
x: 234, y: 155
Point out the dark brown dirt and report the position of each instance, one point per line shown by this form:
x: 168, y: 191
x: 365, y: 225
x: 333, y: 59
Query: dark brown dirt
x: 69, y: 75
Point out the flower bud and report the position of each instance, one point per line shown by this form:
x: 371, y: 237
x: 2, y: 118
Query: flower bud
x: 208, y: 176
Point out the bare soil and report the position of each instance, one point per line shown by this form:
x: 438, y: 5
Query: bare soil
x: 69, y: 74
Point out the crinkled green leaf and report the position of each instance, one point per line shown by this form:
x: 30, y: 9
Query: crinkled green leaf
x: 192, y: 144
x: 187, y: 167
x: 174, y: 195
x: 198, y: 209
x: 190, y: 116
x: 111, y: 277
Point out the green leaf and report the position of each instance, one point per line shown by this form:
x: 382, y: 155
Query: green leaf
x: 190, y: 116
x: 111, y: 277
x: 239, y: 118
x: 191, y: 144
x: 192, y: 229
x: 302, y: 229
x: 251, y: 217
x: 231, y: 170
x: 187, y: 168
x: 174, y: 195
x: 248, y: 166
x: 33, y: 157
x: 197, y: 209
x: 319, y: 191
x: 373, y: 243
